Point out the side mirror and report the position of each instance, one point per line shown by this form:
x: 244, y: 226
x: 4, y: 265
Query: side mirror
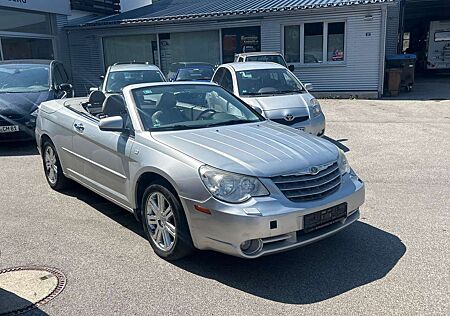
x: 291, y: 67
x: 111, y: 124
x: 93, y: 89
x: 309, y: 86
x: 102, y: 77
x: 66, y: 87
x: 257, y: 109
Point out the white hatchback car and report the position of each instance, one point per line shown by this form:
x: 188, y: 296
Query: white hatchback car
x: 275, y: 92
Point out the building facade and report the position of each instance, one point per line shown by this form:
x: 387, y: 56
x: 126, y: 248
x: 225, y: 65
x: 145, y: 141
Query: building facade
x: 337, y: 45
x: 32, y: 29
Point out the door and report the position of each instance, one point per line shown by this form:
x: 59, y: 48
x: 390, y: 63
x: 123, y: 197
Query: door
x: 240, y: 40
x: 106, y: 159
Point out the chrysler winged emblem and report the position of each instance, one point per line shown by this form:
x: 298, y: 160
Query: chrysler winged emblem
x: 314, y: 170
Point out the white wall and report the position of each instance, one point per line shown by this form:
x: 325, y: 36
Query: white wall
x: 127, y: 5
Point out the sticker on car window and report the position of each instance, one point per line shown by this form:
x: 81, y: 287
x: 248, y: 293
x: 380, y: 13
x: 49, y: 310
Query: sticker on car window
x: 148, y: 91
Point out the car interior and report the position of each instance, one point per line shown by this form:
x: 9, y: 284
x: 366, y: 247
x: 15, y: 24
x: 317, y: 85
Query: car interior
x: 155, y: 110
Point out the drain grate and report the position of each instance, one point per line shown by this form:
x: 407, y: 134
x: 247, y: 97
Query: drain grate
x: 25, y: 288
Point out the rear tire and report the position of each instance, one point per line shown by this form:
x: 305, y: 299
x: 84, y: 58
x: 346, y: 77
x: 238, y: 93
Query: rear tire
x: 52, y: 167
x: 165, y: 223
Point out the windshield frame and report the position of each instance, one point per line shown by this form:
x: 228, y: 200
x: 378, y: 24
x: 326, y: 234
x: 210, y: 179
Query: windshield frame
x: 128, y: 93
x: 27, y: 66
x: 280, y: 57
x: 268, y: 94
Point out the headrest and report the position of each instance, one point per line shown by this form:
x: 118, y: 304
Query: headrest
x: 167, y: 101
x: 114, y: 105
x: 96, y: 98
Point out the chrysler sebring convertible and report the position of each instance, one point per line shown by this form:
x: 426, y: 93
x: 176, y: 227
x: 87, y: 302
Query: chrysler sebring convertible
x: 200, y: 169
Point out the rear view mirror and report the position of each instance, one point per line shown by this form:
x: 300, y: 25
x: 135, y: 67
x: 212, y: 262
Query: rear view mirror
x: 111, y: 124
x: 291, y: 67
x: 67, y: 87
x: 309, y: 86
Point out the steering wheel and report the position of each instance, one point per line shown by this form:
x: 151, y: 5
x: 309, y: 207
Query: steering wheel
x: 203, y: 116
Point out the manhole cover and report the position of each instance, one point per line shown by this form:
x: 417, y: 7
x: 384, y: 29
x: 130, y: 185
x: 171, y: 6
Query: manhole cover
x: 25, y: 288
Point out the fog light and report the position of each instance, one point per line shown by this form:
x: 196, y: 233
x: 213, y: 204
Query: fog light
x: 251, y: 247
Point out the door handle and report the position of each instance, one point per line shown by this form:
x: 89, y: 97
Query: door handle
x: 79, y: 127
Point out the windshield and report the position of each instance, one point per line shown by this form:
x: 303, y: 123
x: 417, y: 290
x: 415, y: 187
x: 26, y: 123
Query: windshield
x: 192, y: 74
x: 268, y: 58
x: 22, y: 78
x: 188, y: 106
x: 117, y: 80
x: 267, y: 82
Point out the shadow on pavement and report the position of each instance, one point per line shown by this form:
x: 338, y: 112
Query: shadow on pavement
x: 357, y: 256
x: 338, y: 143
x: 10, y: 302
x: 18, y: 149
x: 109, y: 209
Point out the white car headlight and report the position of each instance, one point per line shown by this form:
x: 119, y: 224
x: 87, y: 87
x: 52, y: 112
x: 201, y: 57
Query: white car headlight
x: 231, y: 187
x: 315, y: 107
x: 344, y: 167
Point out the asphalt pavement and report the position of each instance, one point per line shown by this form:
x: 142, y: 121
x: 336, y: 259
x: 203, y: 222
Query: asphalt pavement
x: 394, y: 261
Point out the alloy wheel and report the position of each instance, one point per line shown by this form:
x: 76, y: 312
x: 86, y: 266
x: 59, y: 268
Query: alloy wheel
x: 51, y: 168
x: 160, y: 221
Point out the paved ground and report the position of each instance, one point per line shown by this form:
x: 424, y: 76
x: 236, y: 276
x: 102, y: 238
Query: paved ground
x: 394, y: 261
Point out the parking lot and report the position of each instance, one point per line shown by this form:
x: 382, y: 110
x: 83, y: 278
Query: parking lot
x: 395, y: 260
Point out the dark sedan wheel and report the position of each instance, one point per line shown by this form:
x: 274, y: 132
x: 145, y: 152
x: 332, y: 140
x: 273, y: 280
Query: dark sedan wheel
x: 52, y: 167
x: 165, y: 223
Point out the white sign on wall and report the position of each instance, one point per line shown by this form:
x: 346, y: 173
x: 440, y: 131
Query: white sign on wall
x: 50, y: 6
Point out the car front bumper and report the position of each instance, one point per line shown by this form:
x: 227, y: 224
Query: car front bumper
x: 228, y: 225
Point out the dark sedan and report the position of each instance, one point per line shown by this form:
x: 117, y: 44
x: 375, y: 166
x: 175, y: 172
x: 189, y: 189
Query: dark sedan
x: 24, y: 84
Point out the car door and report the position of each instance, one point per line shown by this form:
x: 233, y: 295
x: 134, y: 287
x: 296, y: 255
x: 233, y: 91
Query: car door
x: 106, y: 158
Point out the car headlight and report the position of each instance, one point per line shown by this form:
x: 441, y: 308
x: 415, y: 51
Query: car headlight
x: 344, y: 167
x: 231, y: 187
x: 315, y: 107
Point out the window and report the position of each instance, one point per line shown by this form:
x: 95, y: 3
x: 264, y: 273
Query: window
x: 25, y: 22
x: 125, y: 49
x: 315, y: 43
x: 292, y: 43
x: 406, y: 41
x: 218, y: 75
x: 227, y: 81
x: 26, y: 48
x: 336, y: 37
x: 441, y: 36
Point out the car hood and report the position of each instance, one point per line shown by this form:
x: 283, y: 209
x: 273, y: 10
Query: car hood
x: 262, y: 149
x: 277, y: 102
x: 22, y: 103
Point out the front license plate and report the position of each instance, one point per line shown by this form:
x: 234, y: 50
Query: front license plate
x: 320, y: 219
x: 9, y: 129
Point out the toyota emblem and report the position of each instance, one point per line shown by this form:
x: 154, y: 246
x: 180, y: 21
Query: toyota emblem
x: 289, y: 117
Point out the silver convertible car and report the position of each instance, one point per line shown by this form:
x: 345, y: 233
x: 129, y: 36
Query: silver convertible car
x: 200, y: 169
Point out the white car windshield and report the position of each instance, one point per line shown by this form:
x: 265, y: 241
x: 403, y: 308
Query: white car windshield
x: 175, y: 107
x: 268, y: 58
x: 22, y: 78
x: 117, y: 80
x: 262, y: 82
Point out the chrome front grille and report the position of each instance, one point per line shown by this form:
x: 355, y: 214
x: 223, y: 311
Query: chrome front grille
x: 308, y: 187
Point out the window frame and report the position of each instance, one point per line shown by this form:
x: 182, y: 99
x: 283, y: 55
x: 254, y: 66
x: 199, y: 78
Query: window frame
x: 325, y: 62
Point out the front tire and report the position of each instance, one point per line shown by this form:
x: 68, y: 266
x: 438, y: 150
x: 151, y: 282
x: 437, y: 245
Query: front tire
x: 52, y: 167
x: 165, y: 223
